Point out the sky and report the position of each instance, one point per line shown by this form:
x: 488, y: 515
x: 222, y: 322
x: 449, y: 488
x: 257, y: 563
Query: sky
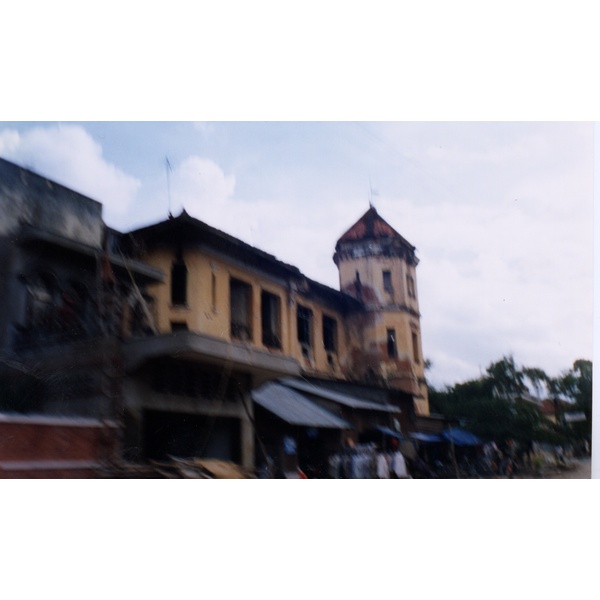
x: 501, y: 213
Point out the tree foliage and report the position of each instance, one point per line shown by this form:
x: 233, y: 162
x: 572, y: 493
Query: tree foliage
x: 498, y: 406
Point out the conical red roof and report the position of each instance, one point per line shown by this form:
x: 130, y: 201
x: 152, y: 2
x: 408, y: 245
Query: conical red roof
x: 370, y: 226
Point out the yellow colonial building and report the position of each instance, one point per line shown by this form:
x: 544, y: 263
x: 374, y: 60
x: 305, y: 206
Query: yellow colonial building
x: 232, y: 319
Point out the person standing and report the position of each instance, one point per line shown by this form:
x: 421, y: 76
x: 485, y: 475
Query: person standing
x: 399, y: 466
x: 383, y: 467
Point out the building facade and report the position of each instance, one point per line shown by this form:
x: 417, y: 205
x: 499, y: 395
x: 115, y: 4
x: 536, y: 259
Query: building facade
x: 272, y: 322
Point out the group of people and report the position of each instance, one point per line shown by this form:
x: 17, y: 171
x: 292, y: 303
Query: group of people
x: 500, y: 461
x: 367, y: 461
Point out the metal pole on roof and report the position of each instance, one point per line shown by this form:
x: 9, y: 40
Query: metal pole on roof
x: 168, y: 169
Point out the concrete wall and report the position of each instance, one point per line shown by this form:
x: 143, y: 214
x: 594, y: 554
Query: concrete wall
x: 26, y: 197
x: 29, y: 200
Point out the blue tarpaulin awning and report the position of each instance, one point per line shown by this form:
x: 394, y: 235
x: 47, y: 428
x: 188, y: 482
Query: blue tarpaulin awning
x: 460, y: 437
x: 429, y: 438
x: 390, y: 432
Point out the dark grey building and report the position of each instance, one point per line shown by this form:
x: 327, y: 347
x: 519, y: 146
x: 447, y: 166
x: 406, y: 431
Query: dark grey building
x: 68, y: 300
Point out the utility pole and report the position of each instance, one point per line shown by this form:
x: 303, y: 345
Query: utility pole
x: 169, y: 169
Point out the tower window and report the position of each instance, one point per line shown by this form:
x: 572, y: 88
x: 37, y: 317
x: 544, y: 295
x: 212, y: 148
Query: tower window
x: 391, y: 343
x: 329, y: 334
x: 270, y: 314
x: 179, y: 283
x: 240, y: 295
x: 387, y: 282
x: 304, y: 326
x: 213, y: 292
x: 410, y: 284
x: 415, y: 344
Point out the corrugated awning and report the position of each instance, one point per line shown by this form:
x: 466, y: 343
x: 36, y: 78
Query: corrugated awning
x: 294, y: 408
x: 344, y: 399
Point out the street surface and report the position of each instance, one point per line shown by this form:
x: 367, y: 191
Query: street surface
x: 582, y: 470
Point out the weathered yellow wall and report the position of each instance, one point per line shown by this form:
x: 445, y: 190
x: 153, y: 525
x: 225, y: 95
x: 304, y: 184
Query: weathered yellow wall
x: 202, y: 316
x: 391, y: 314
x: 358, y: 339
x: 319, y: 359
x: 370, y: 270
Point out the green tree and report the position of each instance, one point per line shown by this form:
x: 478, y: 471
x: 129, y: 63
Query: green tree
x: 537, y: 378
x: 507, y: 380
x: 492, y: 408
x: 576, y: 385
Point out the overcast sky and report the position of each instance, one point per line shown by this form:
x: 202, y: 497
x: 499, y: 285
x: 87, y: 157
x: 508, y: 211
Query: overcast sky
x: 500, y: 213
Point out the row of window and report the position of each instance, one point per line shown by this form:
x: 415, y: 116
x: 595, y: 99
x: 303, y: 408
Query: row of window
x: 304, y: 326
x: 240, y: 302
x: 270, y: 316
x: 389, y: 288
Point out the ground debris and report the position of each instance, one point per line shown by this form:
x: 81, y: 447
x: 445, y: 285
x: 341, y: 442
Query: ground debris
x: 179, y: 468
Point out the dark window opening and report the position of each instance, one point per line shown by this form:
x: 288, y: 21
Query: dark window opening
x: 213, y: 292
x: 270, y: 314
x: 43, y: 302
x: 189, y: 435
x: 185, y: 379
x: 304, y: 326
x: 178, y: 326
x: 387, y: 282
x: 415, y: 343
x: 410, y: 283
x: 391, y: 343
x: 241, y: 309
x: 329, y: 334
x: 56, y: 312
x: 179, y: 283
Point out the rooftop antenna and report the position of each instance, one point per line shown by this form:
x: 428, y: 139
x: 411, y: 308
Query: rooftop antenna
x: 372, y: 193
x: 169, y: 169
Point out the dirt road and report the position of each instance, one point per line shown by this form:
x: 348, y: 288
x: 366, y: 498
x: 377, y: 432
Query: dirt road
x: 583, y: 470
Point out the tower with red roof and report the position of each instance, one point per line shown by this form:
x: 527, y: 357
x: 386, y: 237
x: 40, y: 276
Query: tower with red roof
x: 378, y: 267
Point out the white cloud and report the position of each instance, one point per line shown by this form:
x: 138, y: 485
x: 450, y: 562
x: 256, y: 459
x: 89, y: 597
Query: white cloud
x: 199, y: 184
x: 206, y: 128
x: 70, y: 156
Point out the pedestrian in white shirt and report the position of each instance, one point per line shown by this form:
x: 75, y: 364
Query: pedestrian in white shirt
x: 399, y: 466
x: 383, y: 467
